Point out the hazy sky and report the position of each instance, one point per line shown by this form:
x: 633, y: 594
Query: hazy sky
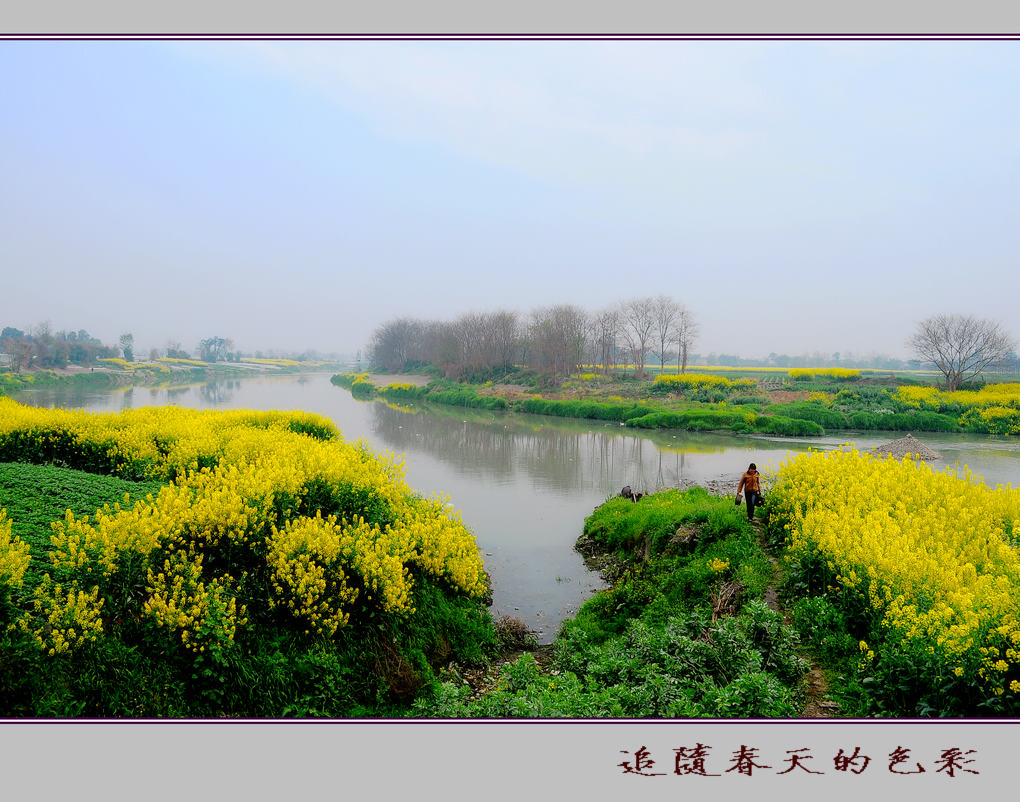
x: 797, y: 196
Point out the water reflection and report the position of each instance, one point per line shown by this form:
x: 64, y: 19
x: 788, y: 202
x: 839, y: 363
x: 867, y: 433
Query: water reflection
x: 174, y: 395
x: 219, y: 393
x: 558, y: 455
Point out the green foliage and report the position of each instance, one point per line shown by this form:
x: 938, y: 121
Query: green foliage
x: 271, y: 670
x: 992, y: 420
x: 621, y: 525
x: 651, y: 646
x: 127, y: 345
x: 357, y: 383
x: 868, y: 398
x: 751, y: 400
x: 909, y: 421
x: 685, y: 667
x: 584, y: 409
x: 695, y: 420
x: 824, y: 626
x: 812, y: 411
x: 362, y: 389
x: 343, y: 379
x: 879, y: 673
x: 464, y: 397
x: 780, y: 425
x: 722, y: 418
x: 35, y: 495
x: 403, y: 392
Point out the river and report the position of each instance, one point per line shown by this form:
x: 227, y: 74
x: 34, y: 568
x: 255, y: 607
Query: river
x: 525, y: 483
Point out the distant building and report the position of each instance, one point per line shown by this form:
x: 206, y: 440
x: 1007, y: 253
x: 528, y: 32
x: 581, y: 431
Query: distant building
x: 6, y: 360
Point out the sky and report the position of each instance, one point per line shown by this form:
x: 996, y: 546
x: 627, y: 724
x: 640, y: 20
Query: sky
x: 798, y: 197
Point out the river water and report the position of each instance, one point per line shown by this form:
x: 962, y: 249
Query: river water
x: 525, y: 483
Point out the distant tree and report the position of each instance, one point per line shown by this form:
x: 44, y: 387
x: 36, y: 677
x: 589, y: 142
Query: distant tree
x: 961, y: 346
x: 174, y: 350
x: 605, y: 331
x: 666, y: 311
x: 395, y: 343
x: 503, y: 334
x: 638, y: 317
x: 215, y: 349
x: 127, y: 346
x: 12, y: 343
x: 1009, y: 364
x: 21, y: 353
x: 686, y: 334
x: 555, y: 342
x: 441, y: 346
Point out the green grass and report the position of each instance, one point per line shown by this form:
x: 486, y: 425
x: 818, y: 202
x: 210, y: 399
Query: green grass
x: 653, y: 645
x: 273, y: 672
x: 35, y: 495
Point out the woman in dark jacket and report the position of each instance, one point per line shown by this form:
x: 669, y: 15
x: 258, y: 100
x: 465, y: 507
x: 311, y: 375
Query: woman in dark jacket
x: 751, y: 487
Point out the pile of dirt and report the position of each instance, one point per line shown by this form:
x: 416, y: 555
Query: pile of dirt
x: 906, y: 445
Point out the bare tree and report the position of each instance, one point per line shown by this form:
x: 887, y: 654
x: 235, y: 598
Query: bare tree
x: 606, y: 331
x: 686, y: 334
x: 666, y: 311
x: 394, y: 344
x: 961, y: 346
x: 638, y: 318
x: 556, y: 340
x: 470, y: 330
x: 441, y: 346
x: 505, y: 338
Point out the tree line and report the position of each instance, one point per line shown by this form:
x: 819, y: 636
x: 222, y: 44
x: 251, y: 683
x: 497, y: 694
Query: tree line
x: 552, y: 341
x: 41, y: 349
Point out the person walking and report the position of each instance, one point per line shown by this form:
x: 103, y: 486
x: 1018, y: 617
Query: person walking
x: 752, y: 489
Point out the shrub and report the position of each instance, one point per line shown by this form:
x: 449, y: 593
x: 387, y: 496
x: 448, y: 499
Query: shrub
x: 404, y: 391
x: 346, y: 379
x: 584, y: 409
x: 709, y: 418
x: 992, y: 420
x: 918, y: 421
x: 812, y: 411
x: 362, y: 388
x: 464, y: 397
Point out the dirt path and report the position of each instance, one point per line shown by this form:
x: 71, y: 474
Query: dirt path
x: 816, y: 702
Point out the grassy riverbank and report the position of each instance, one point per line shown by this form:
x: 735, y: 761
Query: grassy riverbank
x: 805, y: 403
x: 685, y: 631
x: 901, y: 607
x: 260, y: 567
